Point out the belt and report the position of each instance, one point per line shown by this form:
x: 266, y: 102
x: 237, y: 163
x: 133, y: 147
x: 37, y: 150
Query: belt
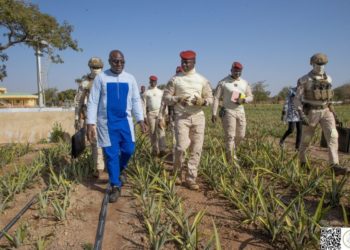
x: 312, y: 106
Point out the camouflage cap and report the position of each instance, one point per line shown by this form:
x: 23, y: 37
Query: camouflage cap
x: 319, y: 58
x: 95, y: 62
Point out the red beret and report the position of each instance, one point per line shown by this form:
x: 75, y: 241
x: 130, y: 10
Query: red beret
x: 237, y: 65
x: 153, y: 78
x: 188, y: 54
x: 178, y: 69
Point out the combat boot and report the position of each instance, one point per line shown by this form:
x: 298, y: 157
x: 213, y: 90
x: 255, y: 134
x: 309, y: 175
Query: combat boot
x: 114, y: 194
x: 98, y: 173
x: 339, y: 170
x: 191, y: 185
x: 162, y: 153
x: 178, y: 180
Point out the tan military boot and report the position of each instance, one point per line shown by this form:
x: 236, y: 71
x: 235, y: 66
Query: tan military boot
x: 191, y: 185
x: 178, y: 181
x: 98, y: 174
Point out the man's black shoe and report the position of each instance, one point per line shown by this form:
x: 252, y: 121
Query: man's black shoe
x: 122, y: 177
x: 114, y: 194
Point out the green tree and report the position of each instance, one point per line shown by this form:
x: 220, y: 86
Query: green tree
x: 23, y: 23
x: 67, y: 95
x: 342, y: 93
x: 282, y: 95
x: 260, y: 93
x: 51, y: 96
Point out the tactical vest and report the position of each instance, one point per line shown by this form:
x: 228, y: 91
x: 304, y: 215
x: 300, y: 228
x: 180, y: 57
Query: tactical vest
x: 321, y: 89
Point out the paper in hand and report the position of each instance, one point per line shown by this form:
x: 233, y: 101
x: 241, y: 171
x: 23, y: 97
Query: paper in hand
x: 235, y: 96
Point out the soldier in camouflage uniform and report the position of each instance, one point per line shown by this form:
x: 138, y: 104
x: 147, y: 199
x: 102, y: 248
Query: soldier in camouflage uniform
x: 95, y: 64
x: 313, y: 102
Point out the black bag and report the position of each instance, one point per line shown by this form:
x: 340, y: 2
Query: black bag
x: 78, y: 142
x: 343, y: 139
x: 222, y: 112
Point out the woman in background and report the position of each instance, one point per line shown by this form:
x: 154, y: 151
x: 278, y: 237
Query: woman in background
x: 291, y: 115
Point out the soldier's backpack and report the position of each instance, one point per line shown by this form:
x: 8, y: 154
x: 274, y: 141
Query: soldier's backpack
x: 343, y: 139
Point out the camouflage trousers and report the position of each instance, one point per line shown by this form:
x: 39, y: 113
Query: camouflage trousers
x: 325, y: 118
x: 189, y: 131
x: 97, y: 153
x: 234, y: 125
x: 157, y: 135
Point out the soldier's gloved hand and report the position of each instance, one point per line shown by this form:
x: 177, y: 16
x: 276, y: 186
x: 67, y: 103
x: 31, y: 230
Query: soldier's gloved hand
x: 304, y: 119
x: 213, y: 118
x: 77, y: 124
x: 198, y: 101
x: 240, y: 101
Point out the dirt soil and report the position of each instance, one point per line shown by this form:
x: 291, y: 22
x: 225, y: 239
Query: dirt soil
x: 123, y: 229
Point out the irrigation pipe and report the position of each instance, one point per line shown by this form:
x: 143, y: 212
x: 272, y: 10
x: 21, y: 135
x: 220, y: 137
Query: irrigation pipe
x: 16, y: 218
x: 102, y: 220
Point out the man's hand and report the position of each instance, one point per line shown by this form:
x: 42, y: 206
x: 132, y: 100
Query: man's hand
x: 183, y: 100
x: 77, y: 125
x: 214, y: 118
x: 198, y: 101
x: 161, y: 123
x: 240, y: 101
x: 143, y: 126
x: 146, y: 122
x: 91, y: 133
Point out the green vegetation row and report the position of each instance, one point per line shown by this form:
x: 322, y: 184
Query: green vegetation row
x: 161, y: 209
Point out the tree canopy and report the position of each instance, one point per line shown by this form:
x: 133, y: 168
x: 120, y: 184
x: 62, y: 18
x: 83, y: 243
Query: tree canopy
x: 54, y: 98
x: 282, y: 95
x: 22, y: 22
x: 260, y: 93
x: 342, y: 93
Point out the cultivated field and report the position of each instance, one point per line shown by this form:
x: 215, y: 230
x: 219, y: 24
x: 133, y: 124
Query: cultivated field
x: 265, y: 202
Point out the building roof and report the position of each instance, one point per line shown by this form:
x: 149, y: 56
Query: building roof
x: 18, y: 95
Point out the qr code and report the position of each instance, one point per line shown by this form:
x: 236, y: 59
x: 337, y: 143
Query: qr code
x: 330, y: 238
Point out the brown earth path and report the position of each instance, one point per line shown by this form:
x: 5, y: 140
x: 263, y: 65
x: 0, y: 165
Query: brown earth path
x: 123, y: 229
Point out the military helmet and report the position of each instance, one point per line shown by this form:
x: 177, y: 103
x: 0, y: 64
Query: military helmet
x: 319, y: 58
x: 95, y: 62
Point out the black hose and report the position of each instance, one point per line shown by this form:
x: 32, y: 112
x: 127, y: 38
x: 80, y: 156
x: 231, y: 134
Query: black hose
x: 102, y: 220
x: 16, y: 218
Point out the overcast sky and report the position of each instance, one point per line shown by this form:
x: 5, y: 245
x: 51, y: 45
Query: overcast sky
x: 273, y: 39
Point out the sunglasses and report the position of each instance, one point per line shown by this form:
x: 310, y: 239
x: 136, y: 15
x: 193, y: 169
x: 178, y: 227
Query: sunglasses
x: 116, y: 61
